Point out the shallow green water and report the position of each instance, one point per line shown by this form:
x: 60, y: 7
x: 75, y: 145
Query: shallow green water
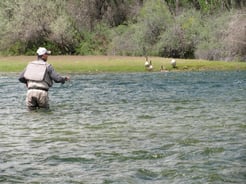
x: 127, y: 128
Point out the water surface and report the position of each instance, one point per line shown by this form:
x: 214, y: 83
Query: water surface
x: 127, y: 128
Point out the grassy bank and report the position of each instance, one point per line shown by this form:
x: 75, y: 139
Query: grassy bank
x: 92, y: 64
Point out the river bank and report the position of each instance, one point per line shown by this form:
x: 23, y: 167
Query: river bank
x: 95, y: 64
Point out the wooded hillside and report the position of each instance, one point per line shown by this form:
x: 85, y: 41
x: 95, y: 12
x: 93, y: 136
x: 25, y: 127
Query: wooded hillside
x: 204, y: 29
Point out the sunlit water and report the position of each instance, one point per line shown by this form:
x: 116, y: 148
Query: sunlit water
x: 127, y: 128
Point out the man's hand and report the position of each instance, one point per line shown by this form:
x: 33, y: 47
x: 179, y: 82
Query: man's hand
x: 67, y: 78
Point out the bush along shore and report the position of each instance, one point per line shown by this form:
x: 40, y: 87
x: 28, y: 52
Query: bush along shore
x: 97, y: 64
x: 204, y: 29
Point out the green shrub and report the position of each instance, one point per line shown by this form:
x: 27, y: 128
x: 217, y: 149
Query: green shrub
x: 139, y: 38
x: 181, y: 37
x: 94, y: 43
x: 126, y: 40
x: 223, y: 38
x: 14, y: 49
x: 235, y: 38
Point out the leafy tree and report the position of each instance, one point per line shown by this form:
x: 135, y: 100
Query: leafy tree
x: 182, y: 36
x: 223, y: 38
x: 29, y: 23
x: 168, y: 28
x: 235, y: 38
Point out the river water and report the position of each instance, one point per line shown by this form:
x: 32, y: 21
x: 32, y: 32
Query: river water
x: 146, y: 128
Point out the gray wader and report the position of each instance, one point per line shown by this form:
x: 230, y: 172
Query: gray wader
x: 38, y: 85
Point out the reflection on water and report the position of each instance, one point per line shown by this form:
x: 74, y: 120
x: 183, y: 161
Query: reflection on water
x: 127, y: 128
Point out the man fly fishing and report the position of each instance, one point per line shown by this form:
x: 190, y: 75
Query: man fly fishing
x: 38, y: 77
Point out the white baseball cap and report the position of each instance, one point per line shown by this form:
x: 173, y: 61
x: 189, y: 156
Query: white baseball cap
x: 41, y: 51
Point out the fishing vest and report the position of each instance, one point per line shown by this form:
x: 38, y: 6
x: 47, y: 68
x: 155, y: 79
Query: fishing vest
x: 36, y: 73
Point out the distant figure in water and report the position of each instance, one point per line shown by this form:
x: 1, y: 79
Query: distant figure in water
x: 38, y: 77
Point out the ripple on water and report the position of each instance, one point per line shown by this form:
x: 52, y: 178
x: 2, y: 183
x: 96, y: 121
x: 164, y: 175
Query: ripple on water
x: 128, y: 128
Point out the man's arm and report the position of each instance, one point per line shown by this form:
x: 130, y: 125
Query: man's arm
x: 55, y: 76
x: 22, y: 78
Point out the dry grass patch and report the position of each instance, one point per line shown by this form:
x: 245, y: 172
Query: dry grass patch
x: 84, y: 64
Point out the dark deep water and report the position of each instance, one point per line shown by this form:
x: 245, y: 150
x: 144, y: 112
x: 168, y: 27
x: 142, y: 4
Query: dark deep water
x: 127, y: 128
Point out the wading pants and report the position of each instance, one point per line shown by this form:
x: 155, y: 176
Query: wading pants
x: 37, y: 99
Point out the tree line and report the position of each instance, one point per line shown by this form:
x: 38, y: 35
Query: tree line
x: 204, y: 29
